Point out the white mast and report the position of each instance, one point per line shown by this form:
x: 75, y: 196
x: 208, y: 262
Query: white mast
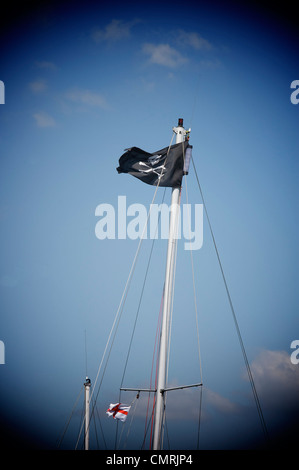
x: 168, y: 286
x: 162, y: 388
x: 87, y: 386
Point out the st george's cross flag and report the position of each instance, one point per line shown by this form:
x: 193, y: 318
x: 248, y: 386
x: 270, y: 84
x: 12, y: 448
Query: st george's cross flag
x: 164, y: 167
x: 118, y: 411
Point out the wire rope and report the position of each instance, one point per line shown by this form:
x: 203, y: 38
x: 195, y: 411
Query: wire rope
x: 196, y: 317
x: 120, y: 309
x: 69, y: 420
x: 138, y: 308
x: 141, y: 297
x: 251, y: 380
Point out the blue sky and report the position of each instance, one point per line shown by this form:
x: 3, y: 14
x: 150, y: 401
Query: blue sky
x: 84, y: 81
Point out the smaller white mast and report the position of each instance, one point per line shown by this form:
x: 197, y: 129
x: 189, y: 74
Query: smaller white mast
x: 87, y: 386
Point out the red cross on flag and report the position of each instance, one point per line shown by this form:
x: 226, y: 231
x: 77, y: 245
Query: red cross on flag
x: 118, y: 411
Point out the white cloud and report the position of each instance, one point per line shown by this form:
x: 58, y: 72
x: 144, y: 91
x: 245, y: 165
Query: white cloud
x: 276, y: 379
x: 164, y: 54
x: 114, y: 31
x: 277, y: 384
x: 220, y: 403
x: 38, y: 86
x: 194, y: 40
x: 43, y: 119
x: 86, y: 97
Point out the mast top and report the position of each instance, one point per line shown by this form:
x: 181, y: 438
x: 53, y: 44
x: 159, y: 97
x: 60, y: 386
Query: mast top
x: 87, y: 382
x: 180, y: 131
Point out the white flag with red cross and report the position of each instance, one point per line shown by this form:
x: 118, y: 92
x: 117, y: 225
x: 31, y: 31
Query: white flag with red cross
x: 118, y: 411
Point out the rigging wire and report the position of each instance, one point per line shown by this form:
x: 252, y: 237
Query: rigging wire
x: 196, y: 319
x: 120, y: 309
x: 96, y: 433
x: 254, y: 391
x: 69, y: 420
x: 169, y: 326
x: 169, y: 329
x: 197, y: 327
x: 141, y: 295
x: 118, y: 315
x: 85, y: 353
x: 199, y: 417
x: 125, y: 292
x: 156, y: 351
x: 132, y: 413
x: 166, y: 428
x: 150, y: 422
x: 101, y: 427
x: 196, y: 93
x: 194, y: 288
x: 138, y: 308
x: 82, y: 420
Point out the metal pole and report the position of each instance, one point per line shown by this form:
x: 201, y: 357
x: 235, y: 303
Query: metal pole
x: 172, y: 239
x: 87, y: 386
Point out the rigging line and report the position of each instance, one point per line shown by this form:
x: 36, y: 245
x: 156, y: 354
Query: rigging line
x: 116, y: 446
x: 67, y: 424
x: 163, y: 422
x: 82, y: 420
x: 96, y: 433
x: 124, y: 295
x: 157, y: 362
x: 258, y: 405
x: 101, y: 428
x: 120, y: 309
x: 171, y: 296
x: 199, y: 416
x: 169, y: 327
x: 196, y: 320
x: 174, y: 260
x: 123, y: 298
x: 153, y: 359
x: 195, y: 99
x: 193, y: 281
x: 167, y: 434
x: 141, y: 295
x: 131, y: 422
x: 85, y: 353
x: 156, y: 345
x: 150, y: 422
x: 169, y: 330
